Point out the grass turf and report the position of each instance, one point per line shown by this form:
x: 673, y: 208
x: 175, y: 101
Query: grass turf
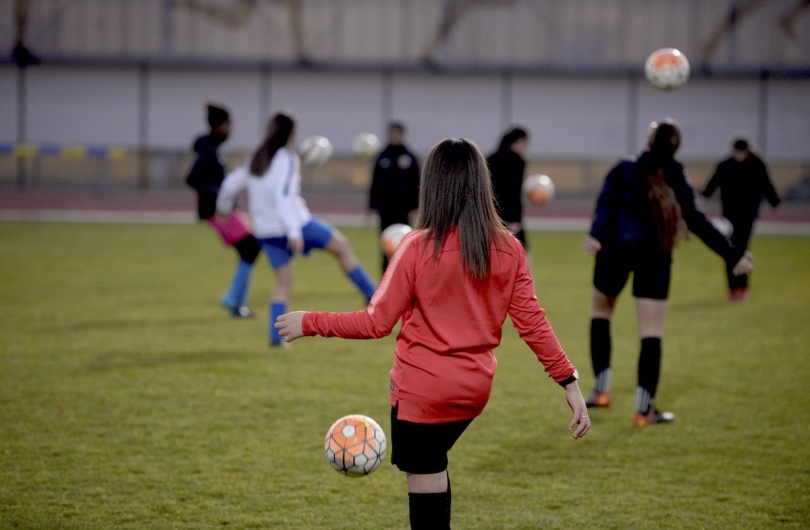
x: 130, y: 400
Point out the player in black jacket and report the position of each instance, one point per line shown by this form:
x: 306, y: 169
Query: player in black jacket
x: 645, y: 205
x: 507, y: 167
x: 743, y: 182
x: 206, y: 177
x: 394, y: 190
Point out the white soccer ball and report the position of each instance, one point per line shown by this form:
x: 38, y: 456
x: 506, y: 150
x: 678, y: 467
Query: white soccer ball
x: 315, y: 150
x: 355, y: 445
x: 366, y: 145
x: 667, y: 69
x: 391, y: 237
x: 538, y: 189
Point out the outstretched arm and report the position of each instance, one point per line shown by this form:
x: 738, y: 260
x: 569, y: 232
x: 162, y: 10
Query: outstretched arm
x: 394, y: 294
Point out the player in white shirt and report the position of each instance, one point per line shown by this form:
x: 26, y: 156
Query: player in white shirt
x: 281, y: 220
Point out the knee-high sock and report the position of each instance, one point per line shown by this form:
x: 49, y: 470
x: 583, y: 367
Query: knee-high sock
x: 449, y: 499
x: 649, y: 369
x: 276, y: 310
x: 428, y: 511
x: 243, y: 271
x: 235, y: 296
x: 600, y: 352
x: 363, y: 282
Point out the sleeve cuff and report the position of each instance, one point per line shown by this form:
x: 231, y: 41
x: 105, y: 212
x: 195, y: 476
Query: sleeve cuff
x: 568, y: 381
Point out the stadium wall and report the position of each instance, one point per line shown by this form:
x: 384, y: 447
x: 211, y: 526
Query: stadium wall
x: 577, y: 121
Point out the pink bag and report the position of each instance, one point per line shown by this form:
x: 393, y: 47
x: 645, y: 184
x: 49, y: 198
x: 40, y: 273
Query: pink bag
x: 235, y: 228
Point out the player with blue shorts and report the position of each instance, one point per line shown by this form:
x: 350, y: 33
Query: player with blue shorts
x: 281, y: 220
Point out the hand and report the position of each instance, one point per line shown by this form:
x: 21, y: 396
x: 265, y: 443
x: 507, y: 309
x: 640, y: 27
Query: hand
x: 513, y: 228
x: 221, y: 217
x: 295, y: 245
x: 745, y: 265
x: 577, y: 404
x: 591, y: 244
x: 290, y: 325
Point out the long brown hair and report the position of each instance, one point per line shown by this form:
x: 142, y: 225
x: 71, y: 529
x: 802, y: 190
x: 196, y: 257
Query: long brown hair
x: 664, y: 142
x: 279, y: 130
x: 455, y: 190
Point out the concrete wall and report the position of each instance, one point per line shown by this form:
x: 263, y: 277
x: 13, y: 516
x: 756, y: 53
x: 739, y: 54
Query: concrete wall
x: 569, y: 117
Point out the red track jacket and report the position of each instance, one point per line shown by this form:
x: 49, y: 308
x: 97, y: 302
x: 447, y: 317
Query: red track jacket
x: 443, y: 363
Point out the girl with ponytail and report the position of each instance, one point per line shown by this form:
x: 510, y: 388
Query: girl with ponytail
x: 646, y: 205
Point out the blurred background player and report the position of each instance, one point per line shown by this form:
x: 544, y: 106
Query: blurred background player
x: 452, y: 282
x: 743, y: 181
x: 394, y: 190
x: 206, y: 178
x: 507, y: 166
x: 281, y: 220
x: 639, y: 216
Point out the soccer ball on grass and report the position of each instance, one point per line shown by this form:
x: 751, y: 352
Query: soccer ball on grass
x: 355, y: 445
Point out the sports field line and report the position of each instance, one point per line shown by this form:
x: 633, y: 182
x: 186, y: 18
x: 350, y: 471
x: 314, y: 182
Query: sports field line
x: 569, y: 224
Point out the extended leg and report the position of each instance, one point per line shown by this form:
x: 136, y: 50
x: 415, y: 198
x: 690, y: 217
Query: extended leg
x: 339, y: 247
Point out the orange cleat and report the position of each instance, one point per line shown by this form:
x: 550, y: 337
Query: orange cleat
x: 653, y: 416
x: 598, y: 400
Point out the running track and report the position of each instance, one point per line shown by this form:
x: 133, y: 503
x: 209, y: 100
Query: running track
x: 179, y: 207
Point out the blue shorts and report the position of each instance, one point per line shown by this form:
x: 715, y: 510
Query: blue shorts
x: 316, y: 234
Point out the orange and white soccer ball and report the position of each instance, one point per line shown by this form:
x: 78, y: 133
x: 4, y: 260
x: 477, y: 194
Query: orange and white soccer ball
x: 315, y: 150
x: 538, y: 189
x: 391, y: 237
x: 355, y: 445
x: 667, y: 69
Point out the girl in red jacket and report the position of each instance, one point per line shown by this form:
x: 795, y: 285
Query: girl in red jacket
x: 452, y: 282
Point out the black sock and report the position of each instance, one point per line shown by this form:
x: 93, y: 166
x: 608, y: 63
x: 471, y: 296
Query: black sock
x: 600, y: 352
x: 649, y: 369
x: 428, y: 511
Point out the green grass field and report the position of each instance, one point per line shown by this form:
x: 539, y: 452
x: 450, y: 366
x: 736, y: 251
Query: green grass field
x: 130, y: 400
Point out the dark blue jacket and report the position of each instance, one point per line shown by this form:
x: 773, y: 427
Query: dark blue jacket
x: 395, y: 182
x: 623, y: 213
x: 207, y: 174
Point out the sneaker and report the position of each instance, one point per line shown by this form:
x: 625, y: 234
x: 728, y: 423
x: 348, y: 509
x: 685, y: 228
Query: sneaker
x: 653, y: 416
x: 242, y: 312
x: 740, y: 294
x: 598, y: 400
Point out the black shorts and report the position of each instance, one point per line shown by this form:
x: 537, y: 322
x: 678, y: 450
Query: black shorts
x: 421, y: 448
x: 248, y: 249
x: 651, y: 271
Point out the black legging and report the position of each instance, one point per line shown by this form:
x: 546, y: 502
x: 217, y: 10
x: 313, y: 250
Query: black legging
x: 739, y: 238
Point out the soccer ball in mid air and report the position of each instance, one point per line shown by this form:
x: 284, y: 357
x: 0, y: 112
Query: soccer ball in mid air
x: 391, y: 237
x: 666, y: 69
x: 366, y: 145
x: 355, y: 445
x: 538, y: 189
x: 315, y: 150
